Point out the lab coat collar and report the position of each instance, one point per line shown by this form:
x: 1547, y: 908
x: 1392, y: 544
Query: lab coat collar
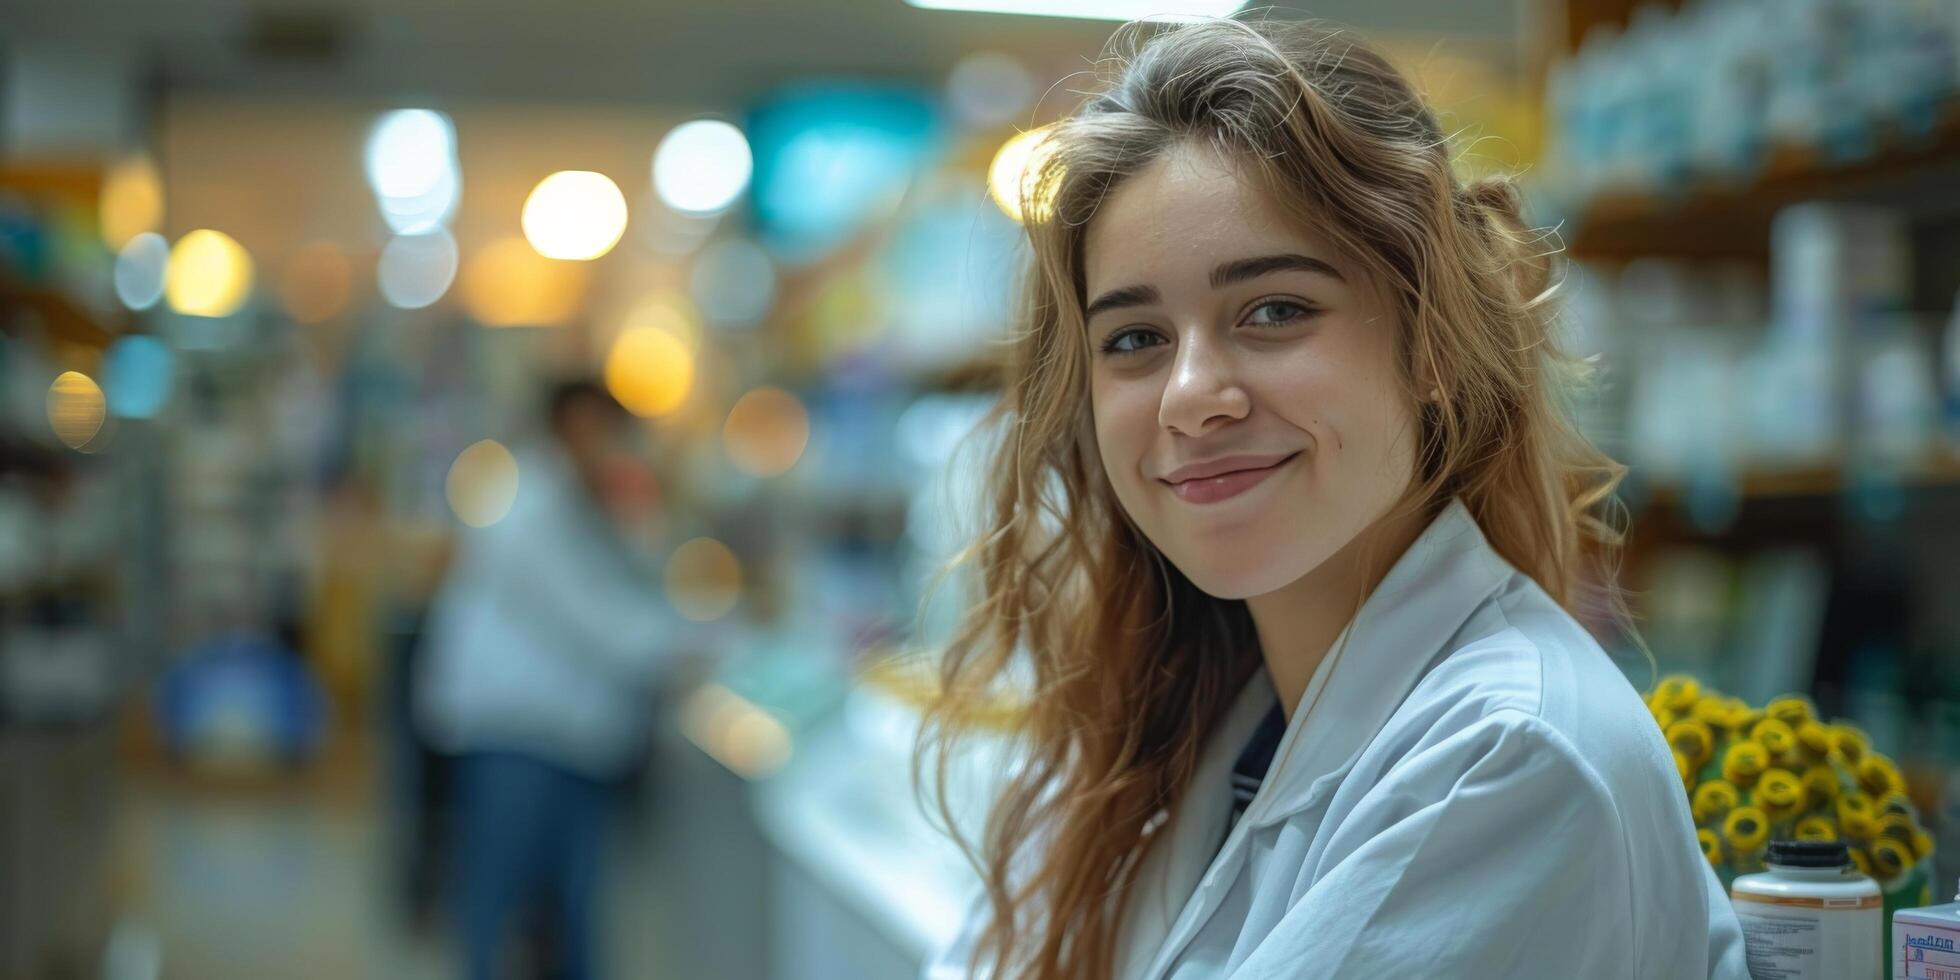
x: 1399, y: 633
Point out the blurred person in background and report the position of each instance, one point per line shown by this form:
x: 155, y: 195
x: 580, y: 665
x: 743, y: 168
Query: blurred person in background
x: 1307, y: 699
x: 546, y: 644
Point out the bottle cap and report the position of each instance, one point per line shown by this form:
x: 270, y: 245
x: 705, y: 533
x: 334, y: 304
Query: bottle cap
x: 1809, y: 853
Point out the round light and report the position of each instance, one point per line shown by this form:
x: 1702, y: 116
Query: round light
x: 766, y: 432
x: 702, y: 166
x: 1014, y: 178
x: 131, y: 202
x: 734, y: 282
x: 316, y: 282
x: 136, y: 374
x: 75, y: 408
x: 669, y: 311
x: 210, y: 274
x: 704, y: 580
x: 408, y: 153
x: 423, y: 212
x: 140, y: 269
x: 482, y: 483
x: 416, y: 270
x: 650, y: 371
x: 987, y: 88
x: 574, y: 214
x: 508, y: 284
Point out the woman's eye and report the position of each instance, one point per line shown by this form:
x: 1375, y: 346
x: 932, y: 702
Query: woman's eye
x: 1128, y: 341
x: 1277, y: 311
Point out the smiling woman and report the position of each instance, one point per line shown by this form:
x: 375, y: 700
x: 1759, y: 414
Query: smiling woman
x: 1286, y: 535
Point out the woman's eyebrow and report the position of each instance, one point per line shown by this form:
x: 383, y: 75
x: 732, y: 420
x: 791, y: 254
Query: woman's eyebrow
x: 1240, y: 270
x: 1117, y: 299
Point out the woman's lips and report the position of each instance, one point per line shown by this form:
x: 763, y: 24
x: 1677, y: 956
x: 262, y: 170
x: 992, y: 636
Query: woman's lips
x: 1224, y: 486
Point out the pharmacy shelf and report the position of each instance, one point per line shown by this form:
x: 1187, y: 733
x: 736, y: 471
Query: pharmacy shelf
x: 1827, y: 480
x: 1731, y: 219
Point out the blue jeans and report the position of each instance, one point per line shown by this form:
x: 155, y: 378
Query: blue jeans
x: 530, y: 837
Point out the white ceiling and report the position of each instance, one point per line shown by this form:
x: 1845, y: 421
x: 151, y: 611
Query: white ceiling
x: 652, y: 52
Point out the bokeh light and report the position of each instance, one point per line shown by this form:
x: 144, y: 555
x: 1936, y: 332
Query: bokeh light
x: 316, y: 282
x: 136, y: 376
x: 75, y: 408
x: 415, y: 270
x: 508, y: 284
x: 482, y: 483
x: 210, y: 274
x: 575, y: 215
x: 141, y: 266
x: 650, y: 371
x: 988, y: 88
x: 1014, y: 178
x: 766, y: 432
x: 411, y: 165
x: 734, y: 282
x: 131, y: 202
x: 408, y: 151
x: 704, y: 580
x: 735, y: 731
x: 667, y: 310
x: 702, y: 166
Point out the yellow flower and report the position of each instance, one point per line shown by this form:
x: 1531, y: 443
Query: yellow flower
x: 1816, y: 828
x: 1814, y: 738
x: 1896, y: 826
x: 1879, y: 776
x: 1693, y: 739
x: 1711, y: 846
x: 1745, y: 828
x: 1889, y: 857
x: 1744, y: 762
x: 1790, y: 709
x: 1684, y: 767
x: 1922, y: 845
x: 1714, y: 799
x: 1862, y: 860
x: 1855, y: 816
x: 1848, y: 746
x: 1778, y: 739
x: 1780, y: 794
x: 1738, y: 714
x: 1820, y: 784
x: 1711, y: 711
x: 1677, y: 692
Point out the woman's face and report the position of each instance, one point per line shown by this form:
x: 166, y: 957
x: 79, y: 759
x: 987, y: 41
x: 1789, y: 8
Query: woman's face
x: 1248, y: 408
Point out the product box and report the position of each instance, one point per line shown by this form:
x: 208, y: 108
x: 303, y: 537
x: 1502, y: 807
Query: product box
x: 1926, y: 943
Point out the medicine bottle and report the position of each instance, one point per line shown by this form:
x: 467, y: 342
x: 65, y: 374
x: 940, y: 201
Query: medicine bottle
x: 1811, y: 916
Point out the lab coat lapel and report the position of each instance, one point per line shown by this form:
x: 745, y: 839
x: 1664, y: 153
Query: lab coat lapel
x: 1394, y: 640
x: 1170, y: 872
x: 1399, y: 632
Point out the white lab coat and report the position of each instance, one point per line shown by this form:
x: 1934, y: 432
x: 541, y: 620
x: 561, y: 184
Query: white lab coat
x: 1478, y: 793
x: 543, y: 639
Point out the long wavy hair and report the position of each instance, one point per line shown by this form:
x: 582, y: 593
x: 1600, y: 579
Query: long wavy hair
x: 1123, y: 665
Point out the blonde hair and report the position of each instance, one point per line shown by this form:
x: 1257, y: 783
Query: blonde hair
x: 1130, y: 663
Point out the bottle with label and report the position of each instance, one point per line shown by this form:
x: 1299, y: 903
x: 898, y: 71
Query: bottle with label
x: 1926, y: 942
x: 1811, y: 916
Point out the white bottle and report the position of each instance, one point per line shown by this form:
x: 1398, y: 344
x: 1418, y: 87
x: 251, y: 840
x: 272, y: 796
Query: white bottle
x: 1926, y: 942
x: 1811, y: 916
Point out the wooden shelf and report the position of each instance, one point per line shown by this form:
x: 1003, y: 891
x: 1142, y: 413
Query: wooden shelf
x: 1936, y: 472
x: 1722, y: 219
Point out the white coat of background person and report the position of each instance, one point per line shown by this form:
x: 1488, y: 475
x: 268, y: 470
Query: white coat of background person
x: 544, y: 638
x: 546, y: 643
x: 1291, y: 426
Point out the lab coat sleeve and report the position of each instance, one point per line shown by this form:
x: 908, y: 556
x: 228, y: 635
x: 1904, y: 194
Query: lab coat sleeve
x: 1493, y: 852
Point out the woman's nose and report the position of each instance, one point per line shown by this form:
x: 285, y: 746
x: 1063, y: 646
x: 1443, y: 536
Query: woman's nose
x: 1203, y: 391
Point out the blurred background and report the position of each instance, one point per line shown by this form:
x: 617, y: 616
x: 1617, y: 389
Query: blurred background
x: 293, y: 491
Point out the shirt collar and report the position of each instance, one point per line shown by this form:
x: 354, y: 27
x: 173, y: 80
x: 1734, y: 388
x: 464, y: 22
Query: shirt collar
x: 1390, y: 644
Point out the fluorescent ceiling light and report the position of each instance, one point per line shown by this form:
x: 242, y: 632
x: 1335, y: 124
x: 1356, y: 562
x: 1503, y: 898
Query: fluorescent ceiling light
x: 1172, y: 10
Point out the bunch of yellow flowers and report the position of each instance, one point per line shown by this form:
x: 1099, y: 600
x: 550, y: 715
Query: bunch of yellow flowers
x: 1779, y: 772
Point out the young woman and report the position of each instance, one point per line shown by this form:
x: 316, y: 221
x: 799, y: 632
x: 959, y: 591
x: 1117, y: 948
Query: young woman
x: 1286, y: 522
